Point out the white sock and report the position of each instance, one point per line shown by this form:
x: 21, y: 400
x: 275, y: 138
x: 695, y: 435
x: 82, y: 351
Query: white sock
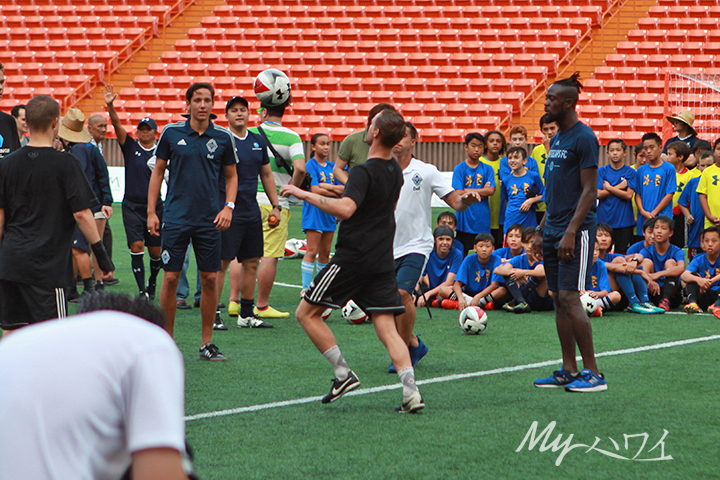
x: 407, y: 377
x: 338, y: 363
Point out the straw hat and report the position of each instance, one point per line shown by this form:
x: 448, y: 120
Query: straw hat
x: 685, y: 116
x: 72, y: 127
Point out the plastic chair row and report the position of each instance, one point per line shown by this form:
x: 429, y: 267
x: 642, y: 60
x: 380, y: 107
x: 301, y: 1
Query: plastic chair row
x: 54, y: 21
x: 673, y: 35
x: 624, y: 86
x: 668, y: 48
x: 73, y: 33
x: 658, y: 60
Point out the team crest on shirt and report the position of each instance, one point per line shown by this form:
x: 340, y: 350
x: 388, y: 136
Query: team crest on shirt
x: 256, y: 146
x: 417, y: 181
x: 211, y: 145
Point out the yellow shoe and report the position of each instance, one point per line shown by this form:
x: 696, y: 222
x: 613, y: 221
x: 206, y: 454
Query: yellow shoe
x: 234, y: 309
x: 270, y: 312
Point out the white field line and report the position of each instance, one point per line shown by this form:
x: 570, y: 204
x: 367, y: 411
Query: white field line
x: 289, y: 285
x: 446, y: 378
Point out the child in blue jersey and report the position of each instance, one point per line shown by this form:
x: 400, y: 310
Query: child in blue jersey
x: 513, y: 238
x: 689, y: 203
x: 525, y: 280
x: 440, y: 270
x: 448, y: 219
x: 615, y: 193
x: 518, y: 138
x: 656, y: 183
x: 664, y: 263
x: 625, y: 273
x: 648, y: 238
x: 521, y: 189
x: 474, y: 284
x: 605, y: 297
x: 474, y: 175
x: 319, y: 227
x: 702, y: 276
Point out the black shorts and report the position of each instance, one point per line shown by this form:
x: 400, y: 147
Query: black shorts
x: 408, y: 270
x: 372, y: 292
x: 243, y: 240
x: 205, y: 241
x: 79, y: 241
x: 22, y: 304
x: 135, y: 223
x: 572, y: 275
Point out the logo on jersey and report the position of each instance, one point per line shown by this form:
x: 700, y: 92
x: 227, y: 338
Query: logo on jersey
x: 417, y: 181
x: 256, y: 146
x: 323, y: 178
x: 182, y: 142
x: 594, y: 281
x: 211, y: 145
x: 2, y: 140
x: 165, y: 257
x: 514, y: 190
x: 715, y: 179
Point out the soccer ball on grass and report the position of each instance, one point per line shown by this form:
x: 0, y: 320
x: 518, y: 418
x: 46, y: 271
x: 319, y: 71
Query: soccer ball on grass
x: 473, y: 320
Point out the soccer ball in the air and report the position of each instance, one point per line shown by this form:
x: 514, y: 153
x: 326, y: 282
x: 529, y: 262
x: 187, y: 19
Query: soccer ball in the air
x: 295, y: 248
x: 473, y: 320
x: 353, y: 314
x: 272, y: 87
x: 588, y: 303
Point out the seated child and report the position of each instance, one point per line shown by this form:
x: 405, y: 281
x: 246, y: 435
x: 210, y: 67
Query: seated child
x: 649, y: 239
x: 474, y: 284
x: 442, y: 266
x: 522, y: 189
x: 600, y: 290
x: 513, y: 238
x: 625, y: 273
x: 702, y: 276
x: 664, y: 263
x: 449, y: 219
x: 689, y: 203
x: 525, y: 280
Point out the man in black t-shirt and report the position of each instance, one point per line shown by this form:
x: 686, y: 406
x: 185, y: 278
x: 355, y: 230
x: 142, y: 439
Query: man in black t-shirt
x: 363, y: 267
x: 9, y: 139
x: 43, y: 193
x: 137, y: 153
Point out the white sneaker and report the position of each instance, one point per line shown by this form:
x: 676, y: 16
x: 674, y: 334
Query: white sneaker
x: 412, y: 403
x: 252, y: 322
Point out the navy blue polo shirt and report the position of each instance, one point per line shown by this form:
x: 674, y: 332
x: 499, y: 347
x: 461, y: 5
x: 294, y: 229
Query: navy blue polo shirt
x: 570, y: 152
x: 137, y: 172
x: 194, y: 163
x: 95, y: 169
x: 252, y: 154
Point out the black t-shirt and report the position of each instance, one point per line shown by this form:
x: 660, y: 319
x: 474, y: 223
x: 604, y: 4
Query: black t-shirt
x: 137, y: 172
x: 9, y: 138
x: 365, y: 240
x: 40, y: 189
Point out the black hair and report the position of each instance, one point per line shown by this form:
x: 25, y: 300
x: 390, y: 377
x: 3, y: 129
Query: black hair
x: 277, y: 110
x: 573, y: 81
x: 649, y: 223
x: 515, y: 226
x: 716, y: 143
x: 664, y: 219
x: 502, y: 137
x: 681, y: 149
x: 638, y: 148
x: 528, y: 234
x: 475, y: 136
x: 391, y: 127
x: 651, y: 136
x: 706, y: 154
x: 377, y: 109
x: 447, y: 214
x: 545, y: 119
x: 709, y: 230
x: 315, y: 137
x: 484, y: 237
x: 605, y: 227
x: 123, y: 302
x: 198, y: 86
x: 517, y: 149
x: 701, y: 145
x: 413, y: 131
x: 15, y: 112
x: 622, y: 143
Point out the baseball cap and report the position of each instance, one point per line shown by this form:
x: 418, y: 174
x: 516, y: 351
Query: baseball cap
x: 149, y: 122
x: 242, y: 100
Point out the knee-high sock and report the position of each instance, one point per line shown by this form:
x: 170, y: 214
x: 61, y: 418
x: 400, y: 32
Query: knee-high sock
x: 137, y: 261
x: 669, y: 287
x: 640, y: 288
x: 514, y: 289
x: 693, y: 290
x: 155, y: 266
x: 626, y: 285
x: 307, y: 269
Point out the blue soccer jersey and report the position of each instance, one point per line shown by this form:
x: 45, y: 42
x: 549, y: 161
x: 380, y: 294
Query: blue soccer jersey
x: 137, y: 172
x: 437, y: 269
x: 195, y: 162
x: 673, y: 253
x: 516, y: 190
x: 504, y: 170
x: 570, y: 152
x: 609, y: 257
x: 476, y: 218
x: 252, y: 154
x: 689, y: 198
x: 505, y: 254
x: 652, y: 184
x: 635, y: 248
x: 599, y: 279
x: 312, y: 217
x: 475, y: 276
x: 702, y: 267
x: 614, y: 211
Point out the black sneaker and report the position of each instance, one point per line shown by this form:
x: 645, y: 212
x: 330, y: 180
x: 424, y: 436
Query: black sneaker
x: 196, y: 304
x: 111, y: 281
x: 73, y: 296
x: 183, y: 305
x: 99, y: 287
x: 221, y: 306
x: 150, y: 290
x: 340, y: 388
x: 210, y: 352
x: 219, y: 325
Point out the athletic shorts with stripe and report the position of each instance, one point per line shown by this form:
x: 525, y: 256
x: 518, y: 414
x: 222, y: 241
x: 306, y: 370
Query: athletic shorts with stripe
x: 22, y: 304
x: 572, y: 275
x: 373, y: 292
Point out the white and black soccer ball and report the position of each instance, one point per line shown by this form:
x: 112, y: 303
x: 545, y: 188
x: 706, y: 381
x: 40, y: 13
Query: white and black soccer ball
x: 295, y: 248
x: 353, y: 314
x: 473, y: 320
x: 272, y: 87
x: 588, y: 303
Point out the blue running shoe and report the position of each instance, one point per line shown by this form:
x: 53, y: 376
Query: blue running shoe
x: 641, y: 308
x: 558, y: 379
x: 417, y: 353
x: 588, y: 381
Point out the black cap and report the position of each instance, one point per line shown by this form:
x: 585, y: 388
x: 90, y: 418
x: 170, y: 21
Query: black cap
x: 445, y: 231
x: 242, y: 100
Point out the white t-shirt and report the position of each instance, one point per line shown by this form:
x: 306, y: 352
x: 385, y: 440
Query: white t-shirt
x: 413, y: 214
x: 79, y: 395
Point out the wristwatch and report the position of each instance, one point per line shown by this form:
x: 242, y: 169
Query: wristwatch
x: 231, y: 205
x: 278, y: 207
x: 635, y: 259
x: 539, y: 229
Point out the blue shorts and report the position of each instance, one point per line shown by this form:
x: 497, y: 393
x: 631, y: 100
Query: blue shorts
x: 572, y: 275
x: 408, y: 270
x: 243, y: 240
x: 205, y: 241
x: 135, y: 222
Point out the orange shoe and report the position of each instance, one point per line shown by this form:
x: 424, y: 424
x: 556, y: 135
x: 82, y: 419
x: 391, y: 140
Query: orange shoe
x: 489, y: 306
x: 448, y: 304
x: 715, y: 310
x: 665, y: 304
x: 597, y: 312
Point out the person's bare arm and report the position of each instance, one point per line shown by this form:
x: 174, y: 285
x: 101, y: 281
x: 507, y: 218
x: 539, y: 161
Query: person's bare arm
x: 457, y: 289
x: 706, y: 209
x: 686, y: 213
x: 343, y: 207
x: 110, y: 97
x: 156, y: 178
x: 86, y: 221
x: 156, y: 463
x: 298, y: 172
x: 339, y: 170
x: 588, y: 180
x: 460, y: 202
x: 641, y: 209
x: 663, y: 203
x: 224, y: 217
x: 504, y: 269
x: 622, y: 193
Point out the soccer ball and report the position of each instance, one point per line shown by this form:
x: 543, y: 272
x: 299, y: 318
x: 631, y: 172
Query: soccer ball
x: 295, y: 248
x: 353, y: 314
x: 272, y: 87
x: 326, y: 313
x: 473, y: 320
x: 588, y: 303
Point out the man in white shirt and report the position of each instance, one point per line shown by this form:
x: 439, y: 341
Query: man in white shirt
x: 413, y: 240
x: 89, y: 412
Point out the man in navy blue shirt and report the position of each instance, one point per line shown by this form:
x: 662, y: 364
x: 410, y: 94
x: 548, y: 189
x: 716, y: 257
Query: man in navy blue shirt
x: 136, y: 154
x: 242, y: 243
x: 566, y: 236
x: 197, y: 151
